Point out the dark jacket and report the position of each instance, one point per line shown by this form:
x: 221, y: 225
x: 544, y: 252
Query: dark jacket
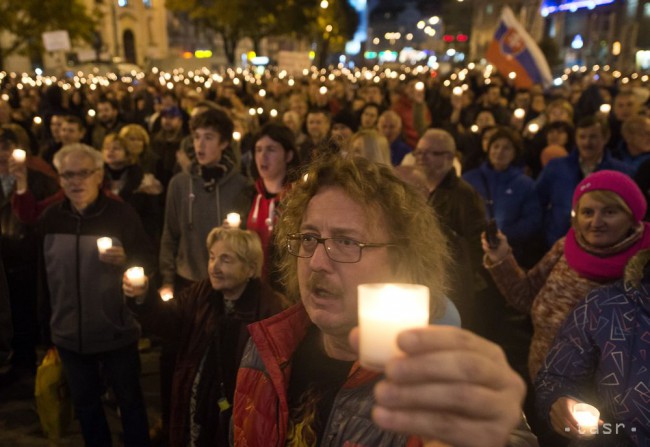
x: 600, y: 357
x: 81, y: 298
x: 20, y: 243
x: 198, y: 318
x: 516, y: 207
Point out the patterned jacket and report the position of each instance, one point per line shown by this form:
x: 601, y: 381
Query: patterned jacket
x: 547, y: 292
x: 601, y: 356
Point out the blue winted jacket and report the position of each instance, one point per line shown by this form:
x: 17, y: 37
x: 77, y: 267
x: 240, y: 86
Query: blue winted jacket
x: 601, y: 356
x: 517, y: 210
x: 555, y: 187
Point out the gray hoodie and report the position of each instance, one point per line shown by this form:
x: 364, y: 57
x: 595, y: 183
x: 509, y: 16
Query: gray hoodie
x: 191, y: 212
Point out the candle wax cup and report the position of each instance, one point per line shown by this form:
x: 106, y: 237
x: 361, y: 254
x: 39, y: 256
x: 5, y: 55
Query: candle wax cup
x: 385, y: 310
x: 587, y: 417
x: 233, y: 220
x: 19, y: 155
x: 104, y: 243
x: 136, y: 276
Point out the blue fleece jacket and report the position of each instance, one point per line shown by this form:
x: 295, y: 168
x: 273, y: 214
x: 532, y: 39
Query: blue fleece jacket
x: 517, y: 210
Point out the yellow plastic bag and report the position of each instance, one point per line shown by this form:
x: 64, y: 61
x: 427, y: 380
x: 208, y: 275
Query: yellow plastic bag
x: 52, y: 395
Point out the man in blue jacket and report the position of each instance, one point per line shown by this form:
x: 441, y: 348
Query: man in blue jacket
x: 559, y: 178
x: 82, y: 307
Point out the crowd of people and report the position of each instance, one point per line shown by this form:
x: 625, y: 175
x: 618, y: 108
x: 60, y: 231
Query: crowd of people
x: 522, y: 209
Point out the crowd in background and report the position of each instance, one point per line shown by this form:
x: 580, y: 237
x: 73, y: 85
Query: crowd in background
x: 494, y: 161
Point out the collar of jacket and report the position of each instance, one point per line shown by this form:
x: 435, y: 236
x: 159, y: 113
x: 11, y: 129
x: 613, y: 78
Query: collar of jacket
x: 637, y: 268
x: 92, y: 210
x: 449, y: 181
x: 248, y: 301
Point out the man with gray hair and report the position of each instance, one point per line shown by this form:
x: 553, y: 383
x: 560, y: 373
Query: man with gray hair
x: 83, y: 312
x: 390, y: 125
x: 461, y: 213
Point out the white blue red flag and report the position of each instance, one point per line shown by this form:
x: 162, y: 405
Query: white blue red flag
x: 514, y: 50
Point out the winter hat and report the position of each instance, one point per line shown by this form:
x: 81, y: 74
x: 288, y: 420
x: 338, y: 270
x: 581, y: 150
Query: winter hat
x: 618, y: 183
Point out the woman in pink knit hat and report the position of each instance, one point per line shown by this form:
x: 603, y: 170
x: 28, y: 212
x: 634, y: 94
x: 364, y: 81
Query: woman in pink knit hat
x: 606, y: 231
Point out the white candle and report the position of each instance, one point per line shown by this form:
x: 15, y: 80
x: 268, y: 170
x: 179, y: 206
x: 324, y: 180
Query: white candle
x: 385, y: 310
x: 587, y: 417
x: 233, y: 219
x: 136, y: 276
x: 104, y: 243
x: 533, y: 128
x: 19, y: 155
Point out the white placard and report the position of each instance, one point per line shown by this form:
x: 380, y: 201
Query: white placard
x: 56, y: 40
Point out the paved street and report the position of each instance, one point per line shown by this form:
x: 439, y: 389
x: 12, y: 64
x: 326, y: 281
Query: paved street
x: 19, y: 425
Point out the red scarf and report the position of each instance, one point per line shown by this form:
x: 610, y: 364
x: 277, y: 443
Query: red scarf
x: 608, y: 264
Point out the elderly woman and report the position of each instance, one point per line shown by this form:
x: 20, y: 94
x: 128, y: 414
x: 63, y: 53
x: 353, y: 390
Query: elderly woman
x: 211, y: 318
x: 607, y: 230
x: 599, y: 363
x: 509, y: 195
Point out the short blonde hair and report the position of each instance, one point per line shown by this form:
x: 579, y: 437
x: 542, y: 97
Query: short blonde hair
x: 375, y: 146
x: 137, y: 130
x: 245, y: 243
x: 607, y: 198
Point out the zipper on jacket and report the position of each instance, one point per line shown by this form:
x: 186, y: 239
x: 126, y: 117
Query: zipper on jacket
x: 218, y: 196
x: 191, y: 205
x: 78, y: 280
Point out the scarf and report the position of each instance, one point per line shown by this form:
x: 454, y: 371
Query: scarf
x: 212, y: 175
x: 604, y: 264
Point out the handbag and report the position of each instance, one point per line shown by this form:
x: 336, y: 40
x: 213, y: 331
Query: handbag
x: 53, y: 402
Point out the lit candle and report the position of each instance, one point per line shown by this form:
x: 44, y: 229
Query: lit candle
x: 533, y: 128
x: 167, y: 295
x: 519, y: 113
x: 587, y: 417
x: 104, y: 243
x: 605, y: 108
x: 19, y: 155
x: 136, y: 276
x: 385, y: 310
x: 233, y: 219
x: 419, y: 86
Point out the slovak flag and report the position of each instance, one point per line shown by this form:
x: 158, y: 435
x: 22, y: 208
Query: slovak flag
x: 514, y: 50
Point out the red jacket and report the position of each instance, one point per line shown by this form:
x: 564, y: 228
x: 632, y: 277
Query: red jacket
x: 261, y: 412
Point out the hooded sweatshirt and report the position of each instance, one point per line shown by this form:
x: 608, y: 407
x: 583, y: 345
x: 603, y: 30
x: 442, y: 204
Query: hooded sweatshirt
x: 193, y: 207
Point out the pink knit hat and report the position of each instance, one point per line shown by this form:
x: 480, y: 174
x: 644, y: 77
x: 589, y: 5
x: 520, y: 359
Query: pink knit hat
x: 618, y: 183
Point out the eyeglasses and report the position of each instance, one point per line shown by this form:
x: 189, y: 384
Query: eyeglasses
x: 81, y: 175
x: 338, y: 249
